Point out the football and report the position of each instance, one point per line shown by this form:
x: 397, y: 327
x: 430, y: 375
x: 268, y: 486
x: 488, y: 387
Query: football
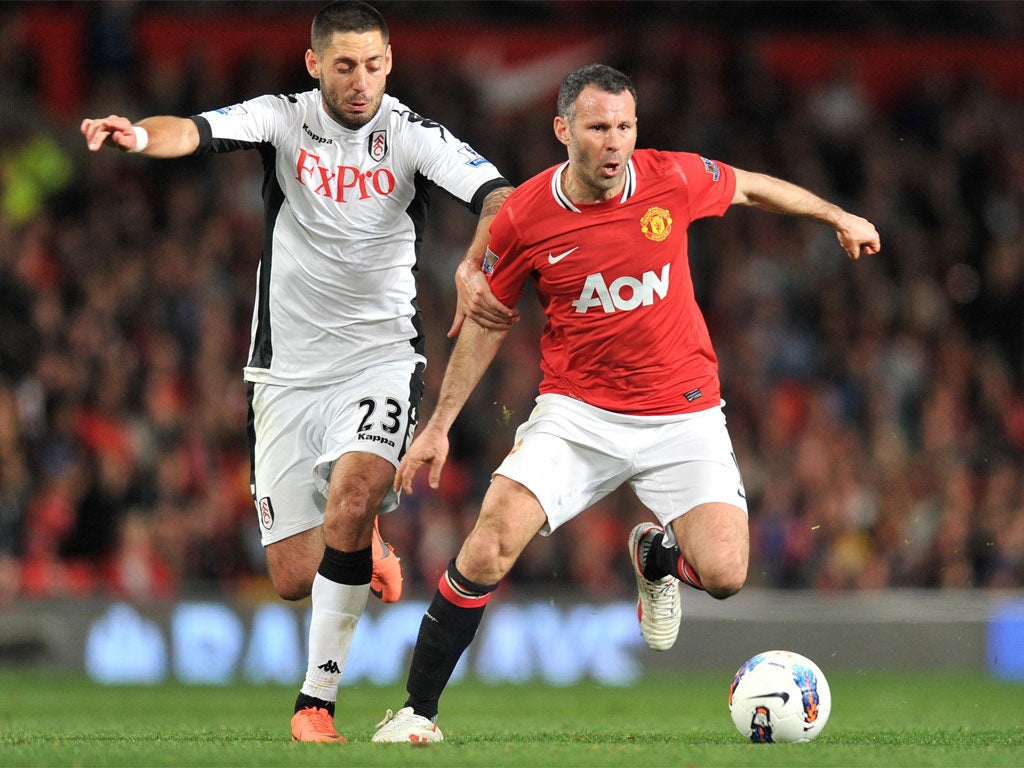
x: 781, y: 697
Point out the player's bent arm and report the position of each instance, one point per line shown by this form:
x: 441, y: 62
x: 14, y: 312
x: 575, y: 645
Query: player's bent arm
x: 856, y: 235
x: 475, y: 298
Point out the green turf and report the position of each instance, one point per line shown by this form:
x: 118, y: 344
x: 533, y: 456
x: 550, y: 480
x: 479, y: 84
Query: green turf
x: 933, y: 719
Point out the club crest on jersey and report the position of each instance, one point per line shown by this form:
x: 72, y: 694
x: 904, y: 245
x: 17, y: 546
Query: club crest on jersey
x: 712, y: 167
x: 656, y: 224
x: 266, y: 510
x: 490, y: 261
x: 378, y: 145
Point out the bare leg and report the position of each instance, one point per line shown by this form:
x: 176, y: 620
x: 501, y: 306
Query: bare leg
x: 714, y: 540
x: 508, y: 521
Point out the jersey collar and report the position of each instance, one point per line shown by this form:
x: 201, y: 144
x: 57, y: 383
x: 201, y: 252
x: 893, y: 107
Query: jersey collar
x: 556, y: 186
x: 338, y: 131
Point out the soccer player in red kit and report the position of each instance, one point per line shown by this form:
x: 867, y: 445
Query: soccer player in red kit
x: 630, y: 390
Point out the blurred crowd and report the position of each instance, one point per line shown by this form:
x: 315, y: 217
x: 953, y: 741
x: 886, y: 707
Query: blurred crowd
x: 877, y: 406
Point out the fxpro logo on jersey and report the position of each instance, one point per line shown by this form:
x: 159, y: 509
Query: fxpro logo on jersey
x: 342, y: 183
x: 624, y: 293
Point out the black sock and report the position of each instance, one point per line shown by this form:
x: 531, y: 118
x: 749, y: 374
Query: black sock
x: 303, y: 701
x: 347, y: 567
x: 668, y: 561
x: 446, y: 631
x: 660, y: 560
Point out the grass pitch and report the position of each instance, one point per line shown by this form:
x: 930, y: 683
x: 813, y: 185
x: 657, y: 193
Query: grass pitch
x: 878, y: 719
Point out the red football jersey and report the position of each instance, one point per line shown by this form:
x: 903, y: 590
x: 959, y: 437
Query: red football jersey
x: 623, y: 331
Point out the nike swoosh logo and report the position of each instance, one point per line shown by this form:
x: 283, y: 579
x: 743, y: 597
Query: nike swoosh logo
x: 780, y: 695
x: 559, y: 257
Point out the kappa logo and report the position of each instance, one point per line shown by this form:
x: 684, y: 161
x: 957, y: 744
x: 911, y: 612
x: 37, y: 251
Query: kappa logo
x: 316, y: 137
x: 555, y: 259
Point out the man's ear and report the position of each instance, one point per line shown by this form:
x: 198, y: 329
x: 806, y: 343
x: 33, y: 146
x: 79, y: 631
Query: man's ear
x: 562, y: 130
x: 312, y: 64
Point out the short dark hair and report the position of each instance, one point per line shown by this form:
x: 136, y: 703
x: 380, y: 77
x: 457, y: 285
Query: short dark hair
x: 345, y: 16
x: 602, y: 76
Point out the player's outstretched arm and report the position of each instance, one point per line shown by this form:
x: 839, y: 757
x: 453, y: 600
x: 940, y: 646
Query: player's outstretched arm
x: 856, y: 235
x: 473, y: 352
x: 160, y: 136
x: 475, y: 298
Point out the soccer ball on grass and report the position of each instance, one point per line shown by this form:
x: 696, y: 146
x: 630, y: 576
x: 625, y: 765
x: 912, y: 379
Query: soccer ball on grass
x: 779, y: 696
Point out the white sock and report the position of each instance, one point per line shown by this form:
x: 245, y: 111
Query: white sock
x: 336, y: 611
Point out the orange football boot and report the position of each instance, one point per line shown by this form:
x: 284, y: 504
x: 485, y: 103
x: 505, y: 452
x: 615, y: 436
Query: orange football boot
x: 314, y: 724
x: 386, y: 581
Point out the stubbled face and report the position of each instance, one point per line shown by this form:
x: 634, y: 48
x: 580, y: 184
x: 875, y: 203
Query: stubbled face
x: 600, y: 139
x: 352, y: 70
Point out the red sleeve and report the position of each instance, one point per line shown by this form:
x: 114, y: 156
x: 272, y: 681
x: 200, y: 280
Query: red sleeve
x: 711, y: 184
x: 505, y: 264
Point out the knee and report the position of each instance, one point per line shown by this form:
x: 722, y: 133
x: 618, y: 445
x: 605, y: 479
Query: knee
x: 347, y: 528
x: 348, y: 521
x: 483, y: 559
x: 725, y: 579
x: 359, y: 484
x: 723, y: 588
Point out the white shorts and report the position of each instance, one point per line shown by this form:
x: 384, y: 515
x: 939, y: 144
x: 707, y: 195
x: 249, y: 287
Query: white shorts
x: 297, y: 433
x: 570, y: 455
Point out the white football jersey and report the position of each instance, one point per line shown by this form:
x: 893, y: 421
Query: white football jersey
x: 344, y: 217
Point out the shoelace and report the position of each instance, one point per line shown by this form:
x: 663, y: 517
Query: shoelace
x: 388, y: 717
x: 663, y: 597
x: 321, y: 719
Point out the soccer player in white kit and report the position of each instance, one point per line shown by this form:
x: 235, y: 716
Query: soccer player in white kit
x: 335, y: 369
x: 630, y: 390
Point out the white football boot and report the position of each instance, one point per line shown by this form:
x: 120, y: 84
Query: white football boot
x: 406, y: 727
x: 658, y: 606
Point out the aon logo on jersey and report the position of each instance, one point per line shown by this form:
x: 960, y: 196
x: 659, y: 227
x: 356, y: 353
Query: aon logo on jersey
x: 624, y: 293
